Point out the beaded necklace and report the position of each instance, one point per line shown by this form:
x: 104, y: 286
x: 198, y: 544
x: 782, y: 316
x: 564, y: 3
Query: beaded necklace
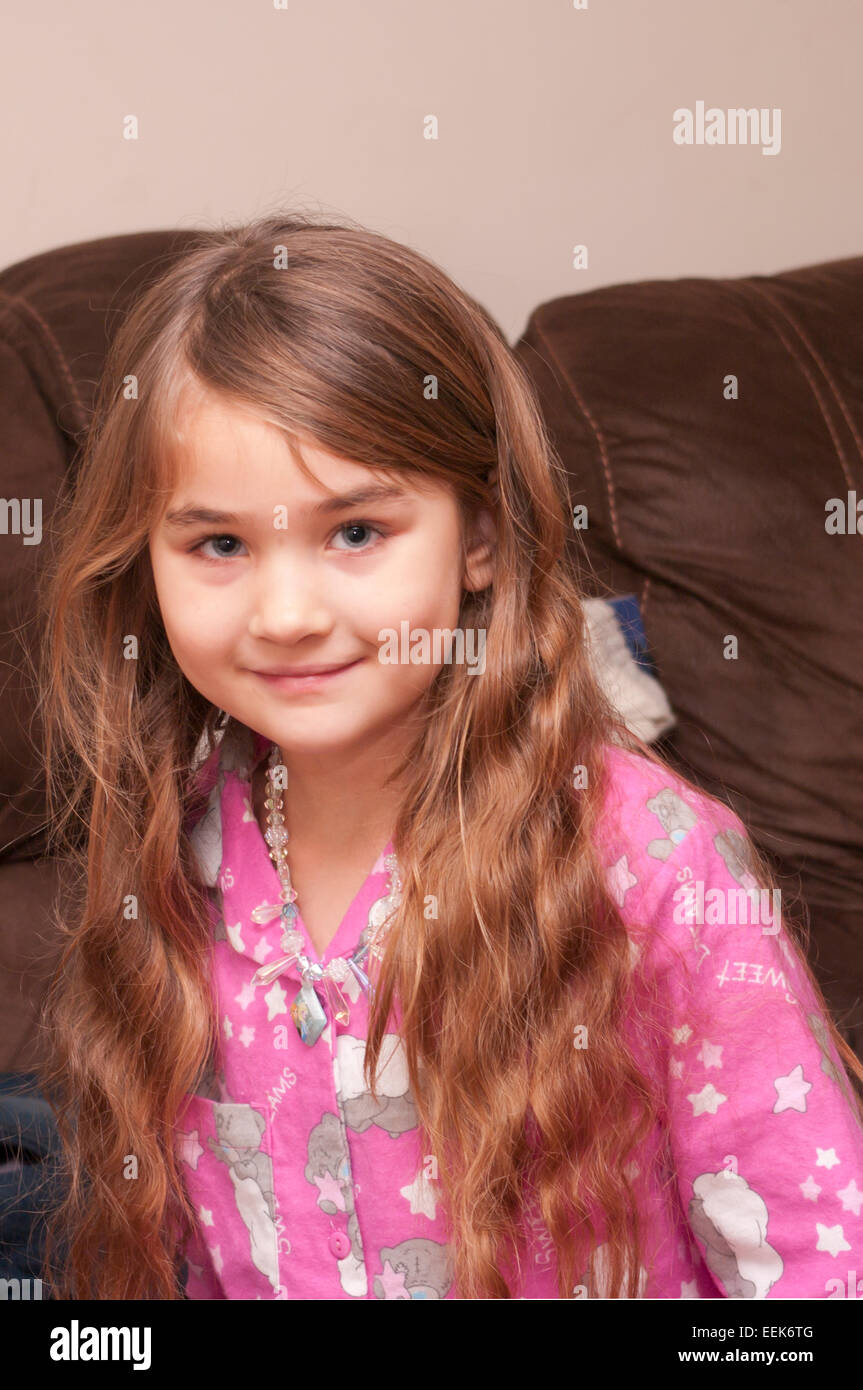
x: 307, y: 1011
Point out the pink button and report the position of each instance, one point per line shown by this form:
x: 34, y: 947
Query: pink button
x: 339, y: 1244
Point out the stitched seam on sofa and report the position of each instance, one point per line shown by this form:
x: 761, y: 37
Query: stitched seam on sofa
x: 600, y: 441
x: 25, y: 311
x: 779, y: 309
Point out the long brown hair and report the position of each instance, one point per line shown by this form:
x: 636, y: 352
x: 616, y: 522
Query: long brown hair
x: 334, y: 333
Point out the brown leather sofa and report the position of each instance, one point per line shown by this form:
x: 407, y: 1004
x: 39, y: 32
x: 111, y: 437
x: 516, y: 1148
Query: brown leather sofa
x: 710, y: 510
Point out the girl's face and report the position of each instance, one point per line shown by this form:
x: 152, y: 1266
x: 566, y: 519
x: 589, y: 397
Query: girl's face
x: 282, y: 576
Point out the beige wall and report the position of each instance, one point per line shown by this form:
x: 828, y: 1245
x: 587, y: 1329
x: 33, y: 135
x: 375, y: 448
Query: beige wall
x: 555, y: 127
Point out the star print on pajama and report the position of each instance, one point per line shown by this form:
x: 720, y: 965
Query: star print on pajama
x: 305, y: 1186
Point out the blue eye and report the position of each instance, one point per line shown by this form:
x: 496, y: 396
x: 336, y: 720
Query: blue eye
x: 206, y: 541
x: 360, y: 526
x: 346, y: 526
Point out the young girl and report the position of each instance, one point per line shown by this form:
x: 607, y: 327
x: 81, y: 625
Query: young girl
x: 397, y: 967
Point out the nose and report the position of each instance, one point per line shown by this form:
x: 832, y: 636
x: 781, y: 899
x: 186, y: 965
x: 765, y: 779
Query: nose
x: 287, y: 602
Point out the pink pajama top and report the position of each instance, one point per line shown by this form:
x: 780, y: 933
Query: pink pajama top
x: 306, y: 1187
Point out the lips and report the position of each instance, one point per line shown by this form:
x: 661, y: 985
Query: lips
x: 307, y: 670
x: 303, y: 678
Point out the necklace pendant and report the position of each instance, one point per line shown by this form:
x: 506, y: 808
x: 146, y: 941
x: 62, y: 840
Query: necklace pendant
x: 265, y: 913
x: 308, y: 1015
x: 359, y: 973
x: 267, y: 973
x: 336, y: 1000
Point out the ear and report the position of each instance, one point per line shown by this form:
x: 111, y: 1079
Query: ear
x: 479, y: 560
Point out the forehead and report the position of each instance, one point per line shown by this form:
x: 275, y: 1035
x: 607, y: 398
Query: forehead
x: 228, y: 448
x: 210, y: 431
x: 219, y: 442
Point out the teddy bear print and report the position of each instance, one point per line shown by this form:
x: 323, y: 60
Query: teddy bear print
x: 394, y: 1110
x: 328, y: 1167
x: 677, y: 820
x: 329, y: 1170
x: 417, y: 1268
x: 735, y: 852
x: 730, y: 1218
x: 238, y: 1144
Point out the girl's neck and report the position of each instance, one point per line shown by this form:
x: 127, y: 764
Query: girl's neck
x: 352, y: 818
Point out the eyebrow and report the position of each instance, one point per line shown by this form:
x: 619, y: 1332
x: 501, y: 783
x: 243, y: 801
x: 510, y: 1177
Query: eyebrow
x: 196, y: 515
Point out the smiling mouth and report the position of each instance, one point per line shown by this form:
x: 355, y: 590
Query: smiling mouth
x: 289, y: 676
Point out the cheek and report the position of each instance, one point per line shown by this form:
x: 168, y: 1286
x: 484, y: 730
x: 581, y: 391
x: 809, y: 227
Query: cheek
x: 197, y: 619
x: 430, y: 601
x: 425, y: 590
